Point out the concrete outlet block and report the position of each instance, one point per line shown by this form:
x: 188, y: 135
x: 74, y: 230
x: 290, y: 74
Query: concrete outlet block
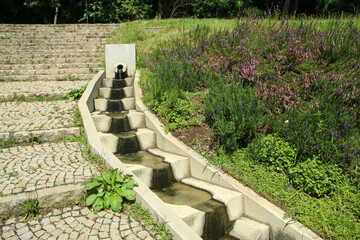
x: 145, y: 174
x: 247, y: 229
x: 128, y: 103
x: 105, y: 92
x: 194, y: 218
x: 109, y: 141
x: 120, y: 53
x: 102, y: 123
x: 146, y: 138
x: 136, y: 119
x: 179, y: 164
x: 234, y: 201
x: 100, y: 104
x: 129, y: 92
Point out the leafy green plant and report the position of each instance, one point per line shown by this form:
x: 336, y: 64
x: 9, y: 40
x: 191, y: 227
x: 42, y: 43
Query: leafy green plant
x: 109, y: 191
x: 9, y: 142
x: 75, y: 93
x: 30, y: 209
x: 235, y: 112
x: 275, y: 152
x: 176, y: 108
x: 34, y: 138
x: 314, y: 177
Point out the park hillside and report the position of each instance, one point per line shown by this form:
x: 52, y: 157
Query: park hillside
x: 273, y: 101
x: 268, y: 92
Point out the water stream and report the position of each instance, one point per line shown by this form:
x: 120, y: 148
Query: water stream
x: 163, y: 184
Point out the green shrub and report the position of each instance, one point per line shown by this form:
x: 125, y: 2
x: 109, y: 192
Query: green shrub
x: 176, y: 107
x: 314, y: 177
x: 235, y: 113
x: 109, y: 191
x: 275, y: 152
x: 117, y: 11
x: 75, y: 93
x: 217, y: 8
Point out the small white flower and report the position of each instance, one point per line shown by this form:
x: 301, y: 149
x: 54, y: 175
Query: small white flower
x: 287, y: 121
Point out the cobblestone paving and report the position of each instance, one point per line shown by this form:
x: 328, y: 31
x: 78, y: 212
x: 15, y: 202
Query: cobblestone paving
x: 77, y: 223
x: 35, y: 167
x: 9, y: 89
x: 30, y: 116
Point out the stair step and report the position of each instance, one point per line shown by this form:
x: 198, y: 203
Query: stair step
x: 107, y: 122
x: 118, y: 83
x: 161, y: 175
x: 120, y: 143
x: 116, y: 93
x: 110, y: 105
x: 234, y: 201
x: 247, y: 229
x: 216, y: 221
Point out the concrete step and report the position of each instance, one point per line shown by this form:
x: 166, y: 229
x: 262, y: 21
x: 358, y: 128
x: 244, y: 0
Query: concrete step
x: 58, y: 77
x: 118, y: 83
x: 247, y: 229
x: 46, y: 56
x: 234, y: 201
x: 109, y: 122
x: 107, y: 105
x: 63, y: 65
x: 121, y: 144
x: 116, y: 93
x: 42, y: 60
x: 45, y: 71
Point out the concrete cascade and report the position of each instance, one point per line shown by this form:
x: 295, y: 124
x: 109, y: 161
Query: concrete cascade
x: 210, y: 210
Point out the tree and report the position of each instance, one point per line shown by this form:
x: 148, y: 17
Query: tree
x: 47, y: 4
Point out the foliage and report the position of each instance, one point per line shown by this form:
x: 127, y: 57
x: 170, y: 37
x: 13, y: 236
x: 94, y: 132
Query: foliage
x: 177, y: 108
x: 331, y: 218
x: 30, y: 209
x: 75, y: 93
x: 9, y: 142
x: 328, y: 132
x: 110, y: 191
x: 274, y: 152
x: 305, y: 76
x: 217, y: 8
x: 314, y: 177
x: 235, y: 113
x: 118, y: 11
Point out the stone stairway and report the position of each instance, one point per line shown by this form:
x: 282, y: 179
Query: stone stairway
x: 49, y: 61
x: 52, y: 53
x: 46, y: 61
x: 211, y: 211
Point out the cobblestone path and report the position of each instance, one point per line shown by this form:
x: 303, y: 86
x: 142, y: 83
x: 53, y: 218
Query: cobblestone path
x: 77, y: 223
x: 9, y: 90
x: 40, y: 166
x: 30, y: 116
x: 55, y: 60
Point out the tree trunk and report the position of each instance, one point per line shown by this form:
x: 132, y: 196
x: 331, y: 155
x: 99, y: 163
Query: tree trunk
x: 296, y: 4
x: 246, y: 4
x: 286, y: 7
x: 56, y: 15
